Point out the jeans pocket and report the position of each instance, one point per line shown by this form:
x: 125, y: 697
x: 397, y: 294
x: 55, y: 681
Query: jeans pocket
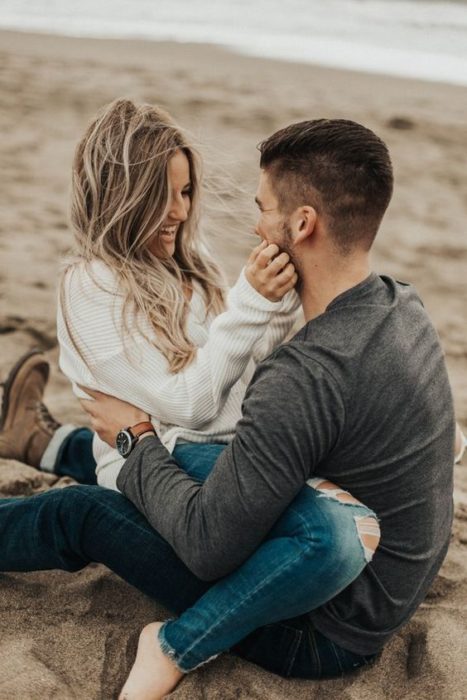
x: 273, y: 647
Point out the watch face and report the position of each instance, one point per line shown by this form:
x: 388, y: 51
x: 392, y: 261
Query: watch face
x: 124, y: 443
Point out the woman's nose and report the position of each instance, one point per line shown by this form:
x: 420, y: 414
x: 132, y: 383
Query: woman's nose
x: 179, y: 209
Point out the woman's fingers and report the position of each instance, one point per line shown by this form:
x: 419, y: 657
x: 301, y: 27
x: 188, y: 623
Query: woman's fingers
x: 266, y: 255
x: 285, y: 275
x: 277, y: 264
x: 288, y: 285
x: 256, y: 251
x: 270, y: 271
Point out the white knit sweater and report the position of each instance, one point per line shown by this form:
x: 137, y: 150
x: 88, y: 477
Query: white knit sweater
x: 202, y: 403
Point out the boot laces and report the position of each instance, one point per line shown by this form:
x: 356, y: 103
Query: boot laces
x: 47, y: 418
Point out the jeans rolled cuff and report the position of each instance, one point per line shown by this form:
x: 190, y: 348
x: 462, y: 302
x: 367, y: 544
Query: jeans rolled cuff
x: 49, y: 458
x: 178, y: 659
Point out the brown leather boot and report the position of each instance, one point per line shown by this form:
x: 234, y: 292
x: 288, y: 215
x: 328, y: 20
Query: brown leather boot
x: 26, y: 426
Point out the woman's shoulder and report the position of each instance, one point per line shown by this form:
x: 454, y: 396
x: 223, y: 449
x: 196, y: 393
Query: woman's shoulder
x: 91, y: 307
x: 90, y: 280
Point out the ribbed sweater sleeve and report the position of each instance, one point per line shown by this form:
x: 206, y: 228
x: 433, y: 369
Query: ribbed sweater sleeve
x: 135, y: 370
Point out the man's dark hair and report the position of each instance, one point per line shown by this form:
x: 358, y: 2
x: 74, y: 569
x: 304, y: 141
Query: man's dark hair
x: 339, y: 167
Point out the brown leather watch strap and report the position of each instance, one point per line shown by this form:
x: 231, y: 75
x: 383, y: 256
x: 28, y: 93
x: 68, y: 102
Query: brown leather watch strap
x: 140, y: 428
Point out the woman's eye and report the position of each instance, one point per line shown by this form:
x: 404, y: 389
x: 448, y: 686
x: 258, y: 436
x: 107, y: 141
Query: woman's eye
x: 187, y: 193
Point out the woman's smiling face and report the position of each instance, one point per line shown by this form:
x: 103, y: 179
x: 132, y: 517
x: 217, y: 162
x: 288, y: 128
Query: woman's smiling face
x: 163, y: 242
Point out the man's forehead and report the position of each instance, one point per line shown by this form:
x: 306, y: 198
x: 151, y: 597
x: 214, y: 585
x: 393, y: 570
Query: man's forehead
x: 264, y: 191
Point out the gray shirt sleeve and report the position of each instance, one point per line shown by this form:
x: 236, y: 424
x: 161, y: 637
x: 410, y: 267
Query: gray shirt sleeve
x: 292, y: 417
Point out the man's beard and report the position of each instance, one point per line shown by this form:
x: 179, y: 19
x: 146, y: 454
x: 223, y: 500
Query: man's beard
x: 286, y: 245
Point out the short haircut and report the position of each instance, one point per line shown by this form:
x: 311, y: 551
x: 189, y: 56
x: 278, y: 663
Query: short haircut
x: 339, y: 167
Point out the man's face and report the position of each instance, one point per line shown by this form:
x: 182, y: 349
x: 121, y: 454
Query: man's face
x: 272, y: 226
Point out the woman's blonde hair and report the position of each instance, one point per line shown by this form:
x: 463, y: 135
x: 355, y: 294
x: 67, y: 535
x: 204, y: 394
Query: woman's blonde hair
x: 120, y: 198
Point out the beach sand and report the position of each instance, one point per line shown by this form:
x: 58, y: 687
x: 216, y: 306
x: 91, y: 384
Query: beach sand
x: 70, y: 636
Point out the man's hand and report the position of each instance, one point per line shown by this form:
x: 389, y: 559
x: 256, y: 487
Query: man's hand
x: 270, y: 272
x: 109, y: 415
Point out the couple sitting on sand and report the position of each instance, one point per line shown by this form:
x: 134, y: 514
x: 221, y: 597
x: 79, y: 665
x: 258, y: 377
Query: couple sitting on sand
x: 248, y: 501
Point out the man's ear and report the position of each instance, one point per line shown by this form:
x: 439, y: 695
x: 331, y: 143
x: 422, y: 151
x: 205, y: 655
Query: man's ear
x: 304, y: 223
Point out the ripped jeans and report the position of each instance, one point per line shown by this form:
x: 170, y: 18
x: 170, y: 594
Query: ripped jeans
x: 319, y: 545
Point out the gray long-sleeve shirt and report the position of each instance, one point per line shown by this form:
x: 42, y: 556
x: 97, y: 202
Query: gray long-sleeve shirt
x: 359, y: 396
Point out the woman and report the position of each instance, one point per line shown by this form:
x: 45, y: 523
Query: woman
x: 143, y: 294
x: 142, y: 317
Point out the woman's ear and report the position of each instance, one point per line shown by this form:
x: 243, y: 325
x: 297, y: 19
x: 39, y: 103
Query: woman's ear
x: 304, y: 224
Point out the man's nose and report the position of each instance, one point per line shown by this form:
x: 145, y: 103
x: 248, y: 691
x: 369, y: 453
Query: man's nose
x: 258, y: 232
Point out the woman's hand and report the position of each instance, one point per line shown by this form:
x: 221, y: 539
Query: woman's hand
x: 109, y: 415
x: 270, y: 272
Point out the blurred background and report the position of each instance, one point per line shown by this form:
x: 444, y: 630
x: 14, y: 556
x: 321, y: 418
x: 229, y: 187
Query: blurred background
x: 417, y: 38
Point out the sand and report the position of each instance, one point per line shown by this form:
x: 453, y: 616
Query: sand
x: 73, y: 635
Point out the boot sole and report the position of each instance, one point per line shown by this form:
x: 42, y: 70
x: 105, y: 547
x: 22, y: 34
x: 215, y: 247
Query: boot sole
x: 10, y: 381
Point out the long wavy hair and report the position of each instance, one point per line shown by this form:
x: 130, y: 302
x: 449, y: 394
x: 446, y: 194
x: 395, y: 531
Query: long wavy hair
x: 119, y: 200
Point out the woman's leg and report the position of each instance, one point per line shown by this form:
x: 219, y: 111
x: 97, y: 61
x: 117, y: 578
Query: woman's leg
x: 74, y: 457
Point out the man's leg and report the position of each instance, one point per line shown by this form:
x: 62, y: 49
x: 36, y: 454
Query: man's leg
x: 318, y: 547
x: 71, y: 527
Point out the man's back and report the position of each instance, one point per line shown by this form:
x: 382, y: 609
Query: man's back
x: 394, y: 449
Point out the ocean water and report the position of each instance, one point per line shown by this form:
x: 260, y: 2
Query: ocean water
x: 414, y: 38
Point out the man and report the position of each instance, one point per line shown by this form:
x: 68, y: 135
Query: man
x: 360, y: 396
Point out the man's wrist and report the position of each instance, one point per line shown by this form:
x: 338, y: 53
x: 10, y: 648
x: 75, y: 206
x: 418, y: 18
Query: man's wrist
x: 128, y: 438
x: 150, y: 433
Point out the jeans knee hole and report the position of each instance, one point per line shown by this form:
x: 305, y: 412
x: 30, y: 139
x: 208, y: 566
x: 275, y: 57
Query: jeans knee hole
x: 369, y: 534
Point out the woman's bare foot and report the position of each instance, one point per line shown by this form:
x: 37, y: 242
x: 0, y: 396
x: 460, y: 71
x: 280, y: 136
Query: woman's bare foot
x: 153, y: 675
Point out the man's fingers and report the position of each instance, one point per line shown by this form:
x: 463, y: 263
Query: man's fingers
x: 87, y: 405
x: 91, y: 392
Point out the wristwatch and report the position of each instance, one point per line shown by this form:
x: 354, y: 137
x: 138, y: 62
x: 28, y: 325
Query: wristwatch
x: 128, y: 437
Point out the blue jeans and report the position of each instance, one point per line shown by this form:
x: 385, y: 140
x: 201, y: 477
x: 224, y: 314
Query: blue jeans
x: 258, y: 611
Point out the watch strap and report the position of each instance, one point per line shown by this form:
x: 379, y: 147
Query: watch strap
x: 140, y: 428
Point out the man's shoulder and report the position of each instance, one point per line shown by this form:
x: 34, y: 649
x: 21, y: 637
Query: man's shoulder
x: 299, y: 364
x: 385, y: 309
x: 352, y: 338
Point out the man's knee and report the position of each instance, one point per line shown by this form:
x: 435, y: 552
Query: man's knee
x: 367, y: 527
x: 369, y: 533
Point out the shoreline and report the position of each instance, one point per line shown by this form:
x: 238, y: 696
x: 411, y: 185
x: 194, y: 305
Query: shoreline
x: 242, y: 50
x: 11, y: 39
